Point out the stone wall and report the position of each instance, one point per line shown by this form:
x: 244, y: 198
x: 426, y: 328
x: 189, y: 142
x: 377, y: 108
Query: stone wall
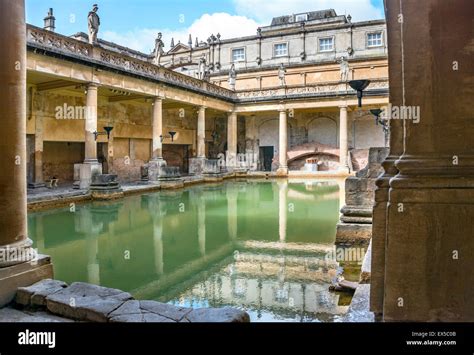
x: 355, y: 226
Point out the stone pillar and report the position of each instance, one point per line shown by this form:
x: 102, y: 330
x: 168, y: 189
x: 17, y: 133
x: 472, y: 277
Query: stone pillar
x: 379, y: 219
x: 157, y: 162
x: 201, y: 133
x: 196, y: 165
x: 39, y: 145
x: 15, y: 247
x: 429, y: 244
x: 283, y: 169
x: 232, y: 140
x: 252, y: 149
x: 343, y: 145
x: 91, y: 124
x: 157, y: 129
x: 91, y: 166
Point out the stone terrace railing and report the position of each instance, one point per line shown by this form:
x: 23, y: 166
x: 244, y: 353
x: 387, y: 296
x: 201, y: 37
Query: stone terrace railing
x: 376, y: 87
x: 38, y: 38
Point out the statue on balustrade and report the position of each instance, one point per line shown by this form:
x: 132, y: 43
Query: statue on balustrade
x: 158, y: 52
x: 93, y: 24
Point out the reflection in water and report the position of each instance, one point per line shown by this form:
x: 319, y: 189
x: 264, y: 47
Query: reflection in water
x: 257, y: 245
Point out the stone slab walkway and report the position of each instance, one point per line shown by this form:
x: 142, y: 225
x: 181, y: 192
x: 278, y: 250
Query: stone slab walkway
x: 55, y: 301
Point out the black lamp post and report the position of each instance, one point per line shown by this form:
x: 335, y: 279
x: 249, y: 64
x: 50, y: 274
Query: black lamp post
x: 172, y: 134
x: 107, y: 132
x: 359, y: 86
x: 376, y: 112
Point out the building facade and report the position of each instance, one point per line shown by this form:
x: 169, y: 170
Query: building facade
x: 271, y: 102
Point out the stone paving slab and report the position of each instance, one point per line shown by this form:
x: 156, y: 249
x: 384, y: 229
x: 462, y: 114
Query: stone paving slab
x: 36, y: 295
x: 91, y: 303
x: 359, y: 310
x: 86, y: 302
x: 11, y: 315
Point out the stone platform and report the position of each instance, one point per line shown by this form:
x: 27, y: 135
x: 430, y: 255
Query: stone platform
x: 54, y: 301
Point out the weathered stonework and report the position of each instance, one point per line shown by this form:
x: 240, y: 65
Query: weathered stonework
x: 356, y: 220
x: 91, y: 303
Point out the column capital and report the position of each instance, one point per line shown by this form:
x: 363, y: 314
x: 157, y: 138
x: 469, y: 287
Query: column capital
x: 157, y: 99
x: 342, y: 107
x: 92, y: 86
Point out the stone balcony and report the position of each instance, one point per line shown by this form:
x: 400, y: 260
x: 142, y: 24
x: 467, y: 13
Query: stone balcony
x: 56, y: 44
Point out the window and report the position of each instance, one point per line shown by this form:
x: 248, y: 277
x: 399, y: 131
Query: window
x: 281, y: 49
x: 301, y: 18
x: 326, y: 44
x: 374, y: 39
x: 238, y: 55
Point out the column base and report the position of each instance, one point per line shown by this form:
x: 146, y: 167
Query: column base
x: 196, y: 165
x: 23, y: 275
x: 282, y: 172
x: 344, y: 171
x: 155, y: 167
x: 86, y: 172
x: 17, y: 253
x: 36, y: 185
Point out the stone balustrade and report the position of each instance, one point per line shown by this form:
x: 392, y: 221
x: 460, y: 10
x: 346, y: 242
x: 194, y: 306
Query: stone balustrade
x: 377, y: 87
x: 40, y: 39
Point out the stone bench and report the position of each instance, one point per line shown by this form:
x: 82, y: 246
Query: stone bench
x: 51, y: 184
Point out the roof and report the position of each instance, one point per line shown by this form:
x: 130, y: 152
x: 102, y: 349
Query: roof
x: 314, y: 15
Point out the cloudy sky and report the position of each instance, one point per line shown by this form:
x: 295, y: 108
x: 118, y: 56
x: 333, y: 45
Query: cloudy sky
x: 135, y: 23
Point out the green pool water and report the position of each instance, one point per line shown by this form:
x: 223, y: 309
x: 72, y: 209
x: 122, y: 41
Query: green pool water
x: 260, y: 246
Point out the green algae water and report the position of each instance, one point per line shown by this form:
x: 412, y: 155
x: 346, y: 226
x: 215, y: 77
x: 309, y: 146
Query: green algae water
x: 260, y: 246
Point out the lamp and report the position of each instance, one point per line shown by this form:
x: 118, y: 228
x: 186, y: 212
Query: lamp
x: 107, y: 129
x: 376, y: 112
x: 359, y: 86
x: 172, y: 134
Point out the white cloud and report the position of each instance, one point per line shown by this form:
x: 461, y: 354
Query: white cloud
x: 251, y: 15
x: 264, y: 10
x: 229, y: 26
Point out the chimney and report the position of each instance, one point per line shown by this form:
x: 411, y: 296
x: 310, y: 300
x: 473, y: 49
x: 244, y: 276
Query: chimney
x: 50, y: 21
x: 190, y: 41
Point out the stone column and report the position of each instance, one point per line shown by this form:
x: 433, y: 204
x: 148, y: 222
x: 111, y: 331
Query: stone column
x: 379, y: 220
x: 39, y: 145
x: 232, y: 140
x: 252, y: 149
x: 283, y: 169
x: 15, y: 247
x: 91, y: 166
x: 91, y: 124
x: 157, y: 162
x: 201, y: 133
x: 429, y: 248
x: 196, y: 165
x: 157, y: 129
x: 13, y: 229
x: 343, y: 145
